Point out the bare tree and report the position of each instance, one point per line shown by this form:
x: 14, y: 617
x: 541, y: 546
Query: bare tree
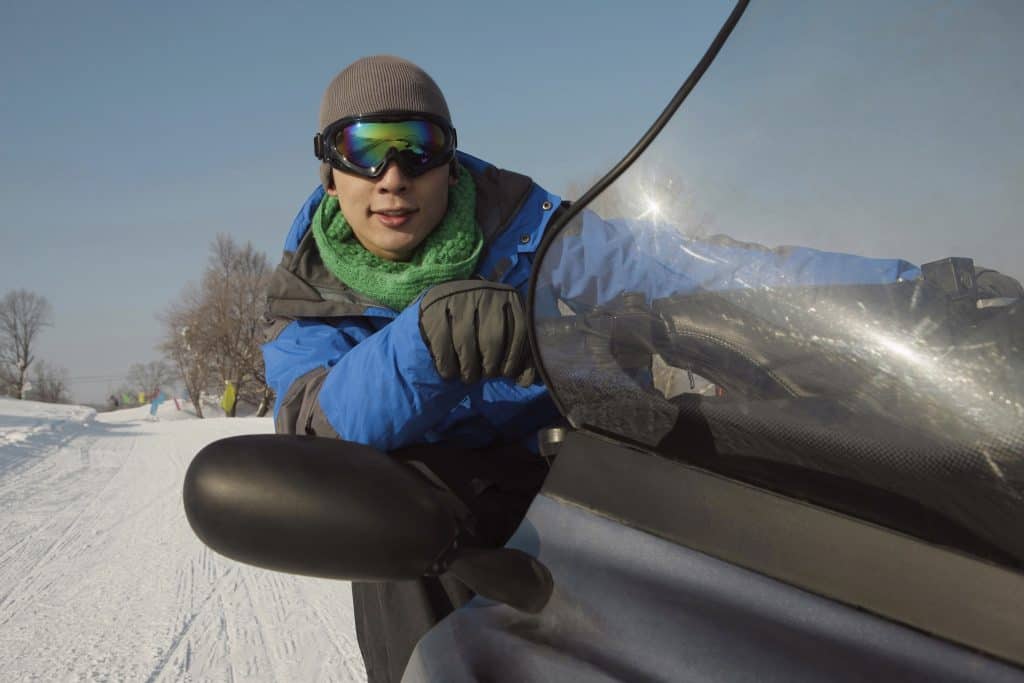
x: 49, y: 384
x: 235, y: 283
x: 149, y: 377
x: 23, y: 315
x: 8, y: 379
x: 213, y: 332
x: 184, y: 343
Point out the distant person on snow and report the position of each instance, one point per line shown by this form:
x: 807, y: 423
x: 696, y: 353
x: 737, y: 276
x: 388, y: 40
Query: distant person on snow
x: 227, y: 402
x: 159, y: 398
x: 396, y: 317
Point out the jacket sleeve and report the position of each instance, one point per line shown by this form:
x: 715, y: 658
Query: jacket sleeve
x: 348, y: 381
x: 599, y: 259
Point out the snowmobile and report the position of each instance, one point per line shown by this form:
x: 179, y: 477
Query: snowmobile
x: 769, y: 468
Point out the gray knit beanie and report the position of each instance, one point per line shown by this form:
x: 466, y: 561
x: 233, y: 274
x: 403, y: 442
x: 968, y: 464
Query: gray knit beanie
x: 377, y: 84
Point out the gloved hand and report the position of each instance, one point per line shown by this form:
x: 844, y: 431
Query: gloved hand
x: 477, y: 329
x: 993, y: 284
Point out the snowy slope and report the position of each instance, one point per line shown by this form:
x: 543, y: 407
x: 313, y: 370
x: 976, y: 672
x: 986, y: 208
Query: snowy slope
x: 101, y: 577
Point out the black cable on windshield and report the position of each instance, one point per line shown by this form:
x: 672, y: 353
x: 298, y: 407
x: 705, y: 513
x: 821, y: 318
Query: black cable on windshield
x: 562, y: 218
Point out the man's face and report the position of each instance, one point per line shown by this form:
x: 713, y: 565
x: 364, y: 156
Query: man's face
x: 391, y: 214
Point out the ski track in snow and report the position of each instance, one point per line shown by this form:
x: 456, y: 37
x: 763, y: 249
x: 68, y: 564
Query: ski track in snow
x: 101, y: 578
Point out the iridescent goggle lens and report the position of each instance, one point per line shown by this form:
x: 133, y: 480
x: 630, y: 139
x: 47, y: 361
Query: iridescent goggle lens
x: 366, y: 144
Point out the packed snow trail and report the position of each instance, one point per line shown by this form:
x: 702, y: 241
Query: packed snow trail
x: 101, y: 577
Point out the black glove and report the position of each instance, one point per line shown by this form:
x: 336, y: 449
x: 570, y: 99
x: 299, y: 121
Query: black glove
x: 477, y: 329
x: 971, y: 290
x: 993, y: 284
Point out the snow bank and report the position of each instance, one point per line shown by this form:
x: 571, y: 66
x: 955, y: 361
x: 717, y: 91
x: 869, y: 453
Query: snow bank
x: 39, y: 424
x: 101, y: 577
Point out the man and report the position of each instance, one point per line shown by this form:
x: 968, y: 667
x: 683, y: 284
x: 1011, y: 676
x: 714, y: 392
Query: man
x: 395, y: 318
x: 388, y: 225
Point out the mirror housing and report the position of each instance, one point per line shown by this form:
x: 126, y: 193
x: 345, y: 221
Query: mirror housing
x: 319, y: 507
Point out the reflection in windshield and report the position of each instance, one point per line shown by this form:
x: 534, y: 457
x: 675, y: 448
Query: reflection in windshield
x: 809, y: 280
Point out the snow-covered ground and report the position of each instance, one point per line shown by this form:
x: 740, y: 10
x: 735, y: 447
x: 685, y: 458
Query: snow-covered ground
x: 101, y: 577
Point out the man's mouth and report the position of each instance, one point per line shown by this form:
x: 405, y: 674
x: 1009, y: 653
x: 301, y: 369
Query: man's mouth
x: 394, y: 218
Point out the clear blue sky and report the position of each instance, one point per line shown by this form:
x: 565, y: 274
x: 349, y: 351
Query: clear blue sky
x: 132, y: 132
x: 873, y: 127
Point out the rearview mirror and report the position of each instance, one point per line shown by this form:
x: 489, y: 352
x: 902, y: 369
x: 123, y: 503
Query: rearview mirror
x: 340, y: 510
x: 319, y: 507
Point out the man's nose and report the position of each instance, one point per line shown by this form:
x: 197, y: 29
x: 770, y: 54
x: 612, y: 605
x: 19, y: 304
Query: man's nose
x: 393, y: 180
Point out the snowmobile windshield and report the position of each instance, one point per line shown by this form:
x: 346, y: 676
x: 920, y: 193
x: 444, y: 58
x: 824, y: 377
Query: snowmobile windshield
x: 809, y: 280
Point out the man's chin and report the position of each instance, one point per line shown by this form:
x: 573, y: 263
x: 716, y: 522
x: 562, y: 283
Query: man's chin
x: 397, y: 249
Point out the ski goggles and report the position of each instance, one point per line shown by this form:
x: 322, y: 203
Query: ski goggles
x: 364, y: 145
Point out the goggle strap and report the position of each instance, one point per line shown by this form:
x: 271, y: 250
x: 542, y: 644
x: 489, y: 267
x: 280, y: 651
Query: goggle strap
x: 318, y: 147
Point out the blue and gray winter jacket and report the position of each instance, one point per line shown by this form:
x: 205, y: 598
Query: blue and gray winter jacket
x: 342, y: 365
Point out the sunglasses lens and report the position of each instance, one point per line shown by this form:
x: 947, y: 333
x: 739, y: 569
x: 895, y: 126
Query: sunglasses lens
x: 366, y: 143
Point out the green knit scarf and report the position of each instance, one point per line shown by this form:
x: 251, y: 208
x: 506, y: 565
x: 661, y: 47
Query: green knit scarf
x: 450, y: 252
